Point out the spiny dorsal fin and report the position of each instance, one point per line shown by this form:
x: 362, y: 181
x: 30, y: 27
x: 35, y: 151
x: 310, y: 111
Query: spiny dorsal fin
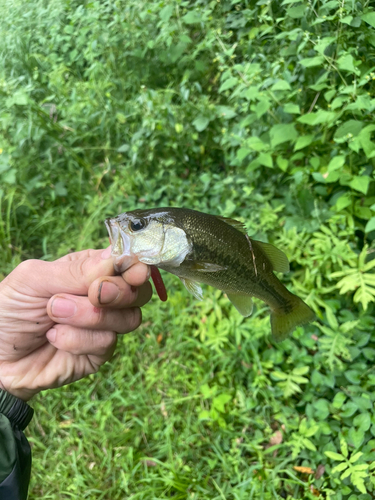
x: 232, y: 222
x: 277, y: 258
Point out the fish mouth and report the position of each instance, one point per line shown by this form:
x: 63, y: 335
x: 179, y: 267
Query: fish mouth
x: 120, y: 243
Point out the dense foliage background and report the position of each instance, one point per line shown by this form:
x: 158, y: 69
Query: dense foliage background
x: 258, y: 110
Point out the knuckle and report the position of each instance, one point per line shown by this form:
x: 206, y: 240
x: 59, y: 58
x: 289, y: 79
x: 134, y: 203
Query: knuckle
x: 98, y: 317
x: 135, y: 318
x: 29, y: 266
x: 105, y: 341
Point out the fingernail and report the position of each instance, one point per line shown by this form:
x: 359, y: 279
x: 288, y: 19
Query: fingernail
x: 51, y: 334
x: 63, y: 308
x: 106, y: 253
x: 108, y: 292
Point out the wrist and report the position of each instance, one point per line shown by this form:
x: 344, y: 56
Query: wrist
x: 22, y: 394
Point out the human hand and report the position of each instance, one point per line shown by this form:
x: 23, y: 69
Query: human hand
x: 58, y: 320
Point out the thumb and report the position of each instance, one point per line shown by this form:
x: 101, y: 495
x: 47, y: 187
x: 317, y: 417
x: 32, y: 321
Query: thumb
x: 75, y: 272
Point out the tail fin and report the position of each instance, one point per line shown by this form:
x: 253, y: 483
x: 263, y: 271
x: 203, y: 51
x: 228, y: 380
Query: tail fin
x: 283, y: 323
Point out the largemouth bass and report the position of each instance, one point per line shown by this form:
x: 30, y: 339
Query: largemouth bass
x: 203, y: 248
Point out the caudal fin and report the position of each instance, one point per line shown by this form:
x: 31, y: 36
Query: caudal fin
x: 283, y: 323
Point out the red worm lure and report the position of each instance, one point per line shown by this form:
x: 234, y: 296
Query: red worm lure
x: 158, y: 283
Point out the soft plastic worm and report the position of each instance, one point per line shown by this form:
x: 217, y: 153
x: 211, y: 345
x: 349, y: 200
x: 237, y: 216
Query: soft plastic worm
x: 159, y: 284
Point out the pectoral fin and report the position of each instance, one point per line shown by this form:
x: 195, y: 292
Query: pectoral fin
x: 242, y: 303
x: 193, y: 287
x: 207, y: 267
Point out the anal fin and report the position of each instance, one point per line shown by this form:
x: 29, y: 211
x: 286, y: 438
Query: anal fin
x: 242, y: 303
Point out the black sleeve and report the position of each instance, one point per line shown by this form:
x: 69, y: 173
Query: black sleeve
x: 15, y: 453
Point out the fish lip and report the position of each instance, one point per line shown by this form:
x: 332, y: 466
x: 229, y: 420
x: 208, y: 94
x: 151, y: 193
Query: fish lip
x: 120, y: 244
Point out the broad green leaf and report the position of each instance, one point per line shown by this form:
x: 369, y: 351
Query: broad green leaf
x: 308, y: 119
x: 296, y: 12
x: 292, y: 108
x: 331, y: 318
x: 256, y: 144
x: 262, y: 107
x: 358, y: 482
x: 282, y: 132
x: 343, y: 201
x: 204, y: 415
x: 321, y: 408
x: 362, y: 102
x: 309, y: 444
x: 201, y: 123
x: 351, y: 127
x: 339, y: 400
x: 346, y: 20
x: 356, y: 437
x: 338, y: 102
x: 228, y: 84
x: 349, y: 409
x: 219, y: 402
x: 282, y: 163
x: 318, y: 117
x: 323, y: 43
x: 192, y: 17
x: 303, y: 141
x: 302, y: 370
x: 20, y: 98
x: 370, y: 226
x: 9, y: 177
x: 336, y: 163
x: 281, y: 85
x: 340, y: 467
x: 166, y: 12
x: 369, y: 18
x: 360, y: 183
x: 363, y: 421
x: 178, y: 128
x: 60, y: 189
x: 346, y: 63
x: 334, y: 456
x: 242, y: 153
x: 280, y: 375
x: 310, y: 62
x: 265, y: 159
x: 225, y: 112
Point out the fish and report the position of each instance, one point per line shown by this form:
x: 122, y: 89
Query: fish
x: 213, y: 250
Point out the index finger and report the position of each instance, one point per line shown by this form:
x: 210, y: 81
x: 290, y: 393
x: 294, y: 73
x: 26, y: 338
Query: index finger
x: 137, y: 274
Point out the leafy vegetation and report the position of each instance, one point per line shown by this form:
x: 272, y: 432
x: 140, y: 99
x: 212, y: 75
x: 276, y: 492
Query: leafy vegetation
x: 262, y: 111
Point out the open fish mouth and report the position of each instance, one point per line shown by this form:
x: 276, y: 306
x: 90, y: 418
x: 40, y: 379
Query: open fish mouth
x: 120, y: 243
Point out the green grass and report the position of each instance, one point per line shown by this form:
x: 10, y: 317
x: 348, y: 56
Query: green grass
x: 261, y: 111
x: 172, y: 418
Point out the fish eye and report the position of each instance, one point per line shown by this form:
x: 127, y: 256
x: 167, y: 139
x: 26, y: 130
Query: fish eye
x: 137, y: 225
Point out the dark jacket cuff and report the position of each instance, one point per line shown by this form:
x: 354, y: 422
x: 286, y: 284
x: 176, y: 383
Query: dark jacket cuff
x: 17, y: 411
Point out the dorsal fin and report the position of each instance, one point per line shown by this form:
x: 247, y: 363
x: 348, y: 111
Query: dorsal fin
x: 277, y: 258
x: 232, y: 222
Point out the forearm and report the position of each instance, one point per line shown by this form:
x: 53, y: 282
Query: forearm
x: 15, y: 453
